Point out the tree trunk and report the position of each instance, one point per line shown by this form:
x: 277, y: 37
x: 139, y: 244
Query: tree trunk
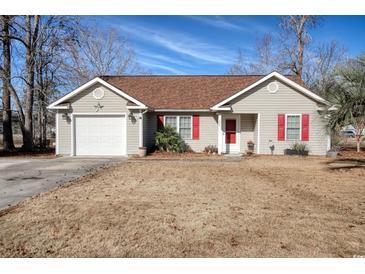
x: 358, y: 143
x: 44, y: 127
x: 8, y: 142
x: 31, y: 41
x: 301, y: 44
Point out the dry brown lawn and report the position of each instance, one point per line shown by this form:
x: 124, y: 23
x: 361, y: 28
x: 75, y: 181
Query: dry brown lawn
x: 196, y: 207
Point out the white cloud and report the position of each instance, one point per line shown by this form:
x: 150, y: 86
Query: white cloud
x: 180, y: 43
x: 149, y: 55
x: 219, y: 22
x: 161, y: 67
x: 249, y: 25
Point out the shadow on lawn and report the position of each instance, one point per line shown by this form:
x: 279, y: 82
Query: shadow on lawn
x: 37, y: 152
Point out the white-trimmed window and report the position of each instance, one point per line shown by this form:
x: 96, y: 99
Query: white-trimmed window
x: 293, y: 125
x: 182, y: 125
x: 171, y: 121
x: 185, y: 127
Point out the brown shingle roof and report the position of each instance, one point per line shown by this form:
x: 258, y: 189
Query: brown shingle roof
x: 183, y: 92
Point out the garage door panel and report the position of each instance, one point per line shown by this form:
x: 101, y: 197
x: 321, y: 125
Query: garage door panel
x: 100, y: 135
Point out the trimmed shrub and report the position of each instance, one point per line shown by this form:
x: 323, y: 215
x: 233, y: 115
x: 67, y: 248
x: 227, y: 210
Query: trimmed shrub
x: 211, y: 149
x: 167, y: 139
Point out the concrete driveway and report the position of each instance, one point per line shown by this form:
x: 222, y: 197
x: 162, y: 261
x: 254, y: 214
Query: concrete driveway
x: 23, y: 178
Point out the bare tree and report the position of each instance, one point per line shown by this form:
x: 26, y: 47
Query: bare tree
x: 26, y: 31
x: 98, y: 53
x: 295, y: 36
x: 294, y: 52
x: 322, y: 63
x: 240, y: 66
x: 8, y: 142
x: 55, y: 31
x: 267, y: 56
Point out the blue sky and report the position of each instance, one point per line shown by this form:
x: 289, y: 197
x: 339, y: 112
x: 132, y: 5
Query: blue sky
x: 209, y: 44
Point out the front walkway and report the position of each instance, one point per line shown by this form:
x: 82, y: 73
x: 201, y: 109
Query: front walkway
x: 23, y: 178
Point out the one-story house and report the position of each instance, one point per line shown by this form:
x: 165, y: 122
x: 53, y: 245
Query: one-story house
x: 116, y: 115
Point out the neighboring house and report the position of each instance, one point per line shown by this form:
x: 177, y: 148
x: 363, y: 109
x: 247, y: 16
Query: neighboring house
x: 115, y: 115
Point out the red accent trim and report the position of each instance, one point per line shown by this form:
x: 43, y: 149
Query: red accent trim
x: 305, y: 127
x: 196, y: 127
x: 281, y: 127
x: 159, y: 121
x: 230, y: 131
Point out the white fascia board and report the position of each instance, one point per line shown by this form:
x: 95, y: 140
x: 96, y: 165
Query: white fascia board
x: 89, y: 84
x: 280, y: 77
x: 59, y: 107
x: 221, y: 108
x: 136, y: 107
x: 181, y: 110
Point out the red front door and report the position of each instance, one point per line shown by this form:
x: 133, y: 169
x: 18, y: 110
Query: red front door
x: 230, y: 131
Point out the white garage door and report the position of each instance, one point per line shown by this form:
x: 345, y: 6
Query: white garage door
x: 100, y: 135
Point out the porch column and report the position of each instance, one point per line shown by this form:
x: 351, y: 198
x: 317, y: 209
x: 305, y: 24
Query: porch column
x: 220, y: 133
x: 140, y: 134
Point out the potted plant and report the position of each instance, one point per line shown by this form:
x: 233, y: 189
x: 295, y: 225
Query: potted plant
x: 142, y: 151
x: 250, y: 146
x: 297, y: 149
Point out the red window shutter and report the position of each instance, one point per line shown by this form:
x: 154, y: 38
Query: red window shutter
x: 196, y: 125
x: 305, y: 127
x: 159, y: 121
x: 281, y: 127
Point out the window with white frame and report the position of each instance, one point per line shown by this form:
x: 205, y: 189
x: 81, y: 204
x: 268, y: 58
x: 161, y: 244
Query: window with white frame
x: 182, y: 125
x: 185, y: 127
x: 171, y: 121
x: 293, y: 127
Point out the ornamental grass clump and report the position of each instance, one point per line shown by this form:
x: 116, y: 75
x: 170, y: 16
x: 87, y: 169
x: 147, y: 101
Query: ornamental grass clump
x: 300, y: 148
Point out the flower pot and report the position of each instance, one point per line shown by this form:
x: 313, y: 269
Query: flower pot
x: 295, y: 152
x: 142, y: 151
x: 251, y: 147
x: 332, y: 154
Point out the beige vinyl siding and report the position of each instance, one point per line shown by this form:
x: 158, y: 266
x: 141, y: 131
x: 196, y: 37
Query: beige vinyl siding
x: 84, y: 102
x: 248, y: 122
x: 132, y: 133
x: 64, y: 133
x: 285, y: 100
x: 208, y: 131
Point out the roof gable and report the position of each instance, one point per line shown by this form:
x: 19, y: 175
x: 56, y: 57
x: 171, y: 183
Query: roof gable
x: 57, y: 104
x: 280, y: 77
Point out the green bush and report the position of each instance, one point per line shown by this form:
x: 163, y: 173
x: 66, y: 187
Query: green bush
x: 167, y: 139
x: 299, y: 147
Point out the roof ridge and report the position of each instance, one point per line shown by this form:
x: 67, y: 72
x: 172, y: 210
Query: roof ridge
x: 195, y: 75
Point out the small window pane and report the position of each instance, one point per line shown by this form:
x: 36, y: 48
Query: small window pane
x: 185, y: 133
x: 185, y: 127
x: 293, y: 127
x: 171, y: 121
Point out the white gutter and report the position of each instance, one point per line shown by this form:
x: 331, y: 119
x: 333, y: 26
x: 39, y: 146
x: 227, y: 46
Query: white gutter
x: 221, y: 108
x: 136, y: 107
x: 181, y: 110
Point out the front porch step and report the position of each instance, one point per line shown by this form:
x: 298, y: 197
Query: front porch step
x: 233, y: 156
